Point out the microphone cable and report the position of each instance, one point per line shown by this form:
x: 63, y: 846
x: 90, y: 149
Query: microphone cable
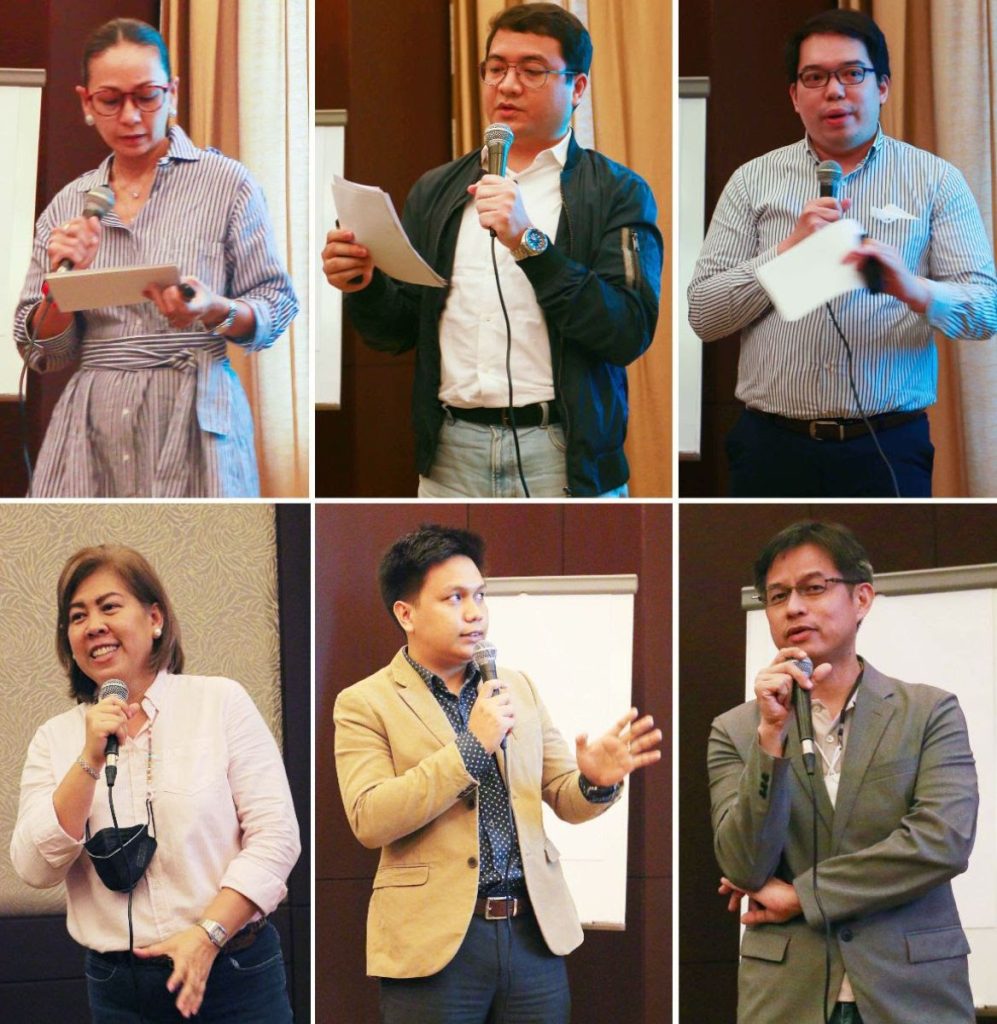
x: 820, y: 905
x: 858, y: 403
x: 508, y: 368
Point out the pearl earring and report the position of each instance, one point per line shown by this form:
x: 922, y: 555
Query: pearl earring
x: 157, y: 632
x: 89, y: 120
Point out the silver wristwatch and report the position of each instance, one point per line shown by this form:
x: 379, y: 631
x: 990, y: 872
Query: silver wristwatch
x: 533, y: 242
x: 216, y: 932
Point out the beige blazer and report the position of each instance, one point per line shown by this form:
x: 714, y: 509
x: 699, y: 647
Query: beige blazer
x: 902, y: 826
x: 406, y: 790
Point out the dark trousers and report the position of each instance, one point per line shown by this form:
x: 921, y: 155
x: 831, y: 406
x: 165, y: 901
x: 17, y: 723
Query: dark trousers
x: 500, y: 975
x: 248, y: 987
x: 846, y: 1013
x: 769, y: 461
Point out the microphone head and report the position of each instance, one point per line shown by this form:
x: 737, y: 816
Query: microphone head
x: 99, y: 202
x: 114, y: 688
x: 805, y: 665
x: 484, y: 655
x: 498, y: 140
x: 829, y: 176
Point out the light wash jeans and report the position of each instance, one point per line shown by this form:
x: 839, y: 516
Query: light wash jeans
x: 474, y: 460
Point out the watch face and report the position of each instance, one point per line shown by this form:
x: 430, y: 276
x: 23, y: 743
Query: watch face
x: 535, y: 240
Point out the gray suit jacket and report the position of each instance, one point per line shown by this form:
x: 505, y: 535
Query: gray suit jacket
x: 903, y: 825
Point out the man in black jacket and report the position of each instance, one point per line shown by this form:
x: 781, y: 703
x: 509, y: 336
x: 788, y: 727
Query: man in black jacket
x: 579, y: 259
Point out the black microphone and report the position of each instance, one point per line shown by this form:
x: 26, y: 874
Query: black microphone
x: 98, y: 203
x: 484, y: 655
x: 829, y: 177
x: 804, y: 719
x: 112, y: 688
x: 498, y: 141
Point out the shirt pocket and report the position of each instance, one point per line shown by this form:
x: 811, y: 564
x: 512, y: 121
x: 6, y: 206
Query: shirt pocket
x: 203, y: 258
x: 190, y: 768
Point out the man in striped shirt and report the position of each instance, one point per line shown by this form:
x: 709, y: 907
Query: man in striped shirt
x: 812, y: 395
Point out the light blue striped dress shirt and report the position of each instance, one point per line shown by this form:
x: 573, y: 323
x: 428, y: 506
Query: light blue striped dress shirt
x: 800, y: 369
x: 152, y: 411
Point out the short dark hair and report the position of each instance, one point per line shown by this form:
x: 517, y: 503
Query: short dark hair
x: 838, y: 541
x: 547, y: 20
x: 405, y: 564
x: 143, y: 584
x: 123, y: 30
x: 840, y: 23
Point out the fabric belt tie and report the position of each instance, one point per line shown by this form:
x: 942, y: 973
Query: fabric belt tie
x: 838, y: 428
x: 241, y: 940
x: 202, y: 356
x: 498, y: 908
x: 539, y: 414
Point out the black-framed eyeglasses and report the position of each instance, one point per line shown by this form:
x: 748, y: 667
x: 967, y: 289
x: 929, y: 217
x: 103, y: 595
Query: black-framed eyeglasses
x: 848, y: 74
x: 532, y: 73
x: 108, y: 102
x: 812, y: 587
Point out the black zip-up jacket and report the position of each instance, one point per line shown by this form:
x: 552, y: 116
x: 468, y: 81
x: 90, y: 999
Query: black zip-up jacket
x: 597, y: 284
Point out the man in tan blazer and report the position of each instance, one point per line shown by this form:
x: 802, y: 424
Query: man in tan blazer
x: 470, y: 917
x: 896, y: 811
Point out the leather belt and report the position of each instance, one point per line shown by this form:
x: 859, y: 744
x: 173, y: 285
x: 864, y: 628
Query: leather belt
x: 498, y: 908
x: 539, y: 414
x: 241, y: 940
x: 838, y: 428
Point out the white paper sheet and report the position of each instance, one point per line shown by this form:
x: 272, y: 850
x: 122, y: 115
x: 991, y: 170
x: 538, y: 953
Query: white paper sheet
x: 811, y: 273
x: 121, y: 286
x: 368, y: 212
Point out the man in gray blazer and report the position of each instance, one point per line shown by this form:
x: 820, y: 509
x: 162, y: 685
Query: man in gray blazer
x: 896, y: 804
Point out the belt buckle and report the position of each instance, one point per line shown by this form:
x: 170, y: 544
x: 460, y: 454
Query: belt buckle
x: 499, y: 900
x: 504, y: 417
x: 814, y: 424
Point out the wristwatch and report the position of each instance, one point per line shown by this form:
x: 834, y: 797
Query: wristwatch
x: 216, y: 932
x: 533, y: 242
x: 233, y: 312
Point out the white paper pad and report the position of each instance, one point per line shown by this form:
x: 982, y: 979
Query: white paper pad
x: 811, y: 273
x: 367, y: 211
x: 120, y: 286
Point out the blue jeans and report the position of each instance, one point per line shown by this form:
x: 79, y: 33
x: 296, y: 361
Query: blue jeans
x: 495, y: 978
x: 477, y: 461
x: 768, y: 461
x: 248, y: 987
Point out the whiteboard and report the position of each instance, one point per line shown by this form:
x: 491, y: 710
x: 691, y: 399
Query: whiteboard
x: 20, y: 112
x: 330, y: 143
x: 947, y: 638
x: 539, y: 625
x: 693, y: 93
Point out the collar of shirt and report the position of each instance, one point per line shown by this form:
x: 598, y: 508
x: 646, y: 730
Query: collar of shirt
x: 181, y: 148
x: 877, y: 144
x: 434, y: 682
x: 556, y: 155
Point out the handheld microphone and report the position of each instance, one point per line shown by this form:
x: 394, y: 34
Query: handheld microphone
x: 804, y: 718
x: 483, y: 656
x: 98, y: 203
x: 498, y: 141
x: 829, y: 177
x: 112, y: 688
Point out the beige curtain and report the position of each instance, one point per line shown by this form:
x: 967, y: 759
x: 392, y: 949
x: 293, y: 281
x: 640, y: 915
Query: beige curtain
x: 244, y: 71
x: 942, y: 99
x: 627, y: 116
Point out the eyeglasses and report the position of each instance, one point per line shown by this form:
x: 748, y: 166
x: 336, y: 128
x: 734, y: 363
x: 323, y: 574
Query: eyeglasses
x: 532, y: 73
x: 817, y: 78
x: 108, y: 102
x: 813, y: 587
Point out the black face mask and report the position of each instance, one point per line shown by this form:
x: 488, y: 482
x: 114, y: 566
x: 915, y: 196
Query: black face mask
x: 121, y: 855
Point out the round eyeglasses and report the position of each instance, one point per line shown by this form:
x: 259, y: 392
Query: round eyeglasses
x: 531, y: 73
x: 108, y: 102
x: 817, y: 78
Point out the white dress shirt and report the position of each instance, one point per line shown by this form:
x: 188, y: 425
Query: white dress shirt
x: 472, y: 328
x: 220, y: 798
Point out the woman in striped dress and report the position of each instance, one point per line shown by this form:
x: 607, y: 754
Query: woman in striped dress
x: 155, y: 408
